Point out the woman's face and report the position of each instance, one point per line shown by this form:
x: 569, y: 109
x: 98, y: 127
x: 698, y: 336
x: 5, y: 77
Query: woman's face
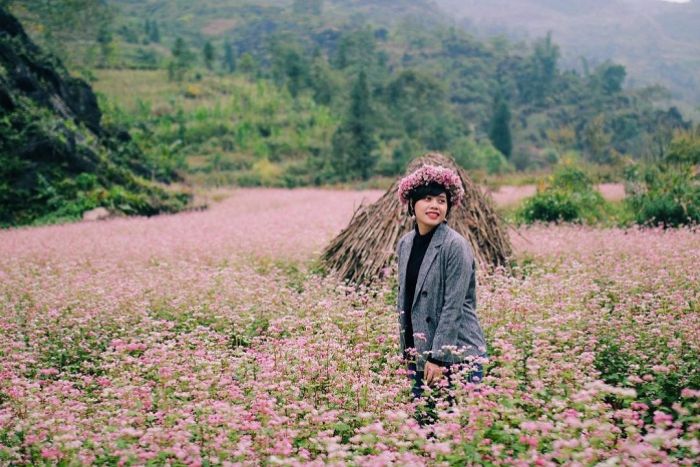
x: 430, y: 212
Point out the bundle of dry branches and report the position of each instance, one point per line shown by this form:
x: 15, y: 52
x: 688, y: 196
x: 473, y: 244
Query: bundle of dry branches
x: 364, y: 249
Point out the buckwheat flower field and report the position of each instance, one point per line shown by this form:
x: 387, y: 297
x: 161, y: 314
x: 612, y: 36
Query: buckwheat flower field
x: 209, y: 338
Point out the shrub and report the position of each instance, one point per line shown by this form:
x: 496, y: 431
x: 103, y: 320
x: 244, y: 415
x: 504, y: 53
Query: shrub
x: 479, y: 156
x: 569, y: 197
x: 667, y: 195
x: 550, y: 206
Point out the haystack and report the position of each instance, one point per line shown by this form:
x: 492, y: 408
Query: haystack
x: 367, y: 246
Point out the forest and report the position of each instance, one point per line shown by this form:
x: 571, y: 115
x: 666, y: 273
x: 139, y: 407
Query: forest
x: 299, y: 93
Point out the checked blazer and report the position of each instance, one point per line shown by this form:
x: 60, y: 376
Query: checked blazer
x: 445, y: 324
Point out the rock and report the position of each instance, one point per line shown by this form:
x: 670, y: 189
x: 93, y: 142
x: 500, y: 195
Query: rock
x: 96, y: 214
x: 51, y: 134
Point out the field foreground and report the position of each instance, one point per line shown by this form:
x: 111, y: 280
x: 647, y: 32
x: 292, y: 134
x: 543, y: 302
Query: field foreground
x: 203, y: 338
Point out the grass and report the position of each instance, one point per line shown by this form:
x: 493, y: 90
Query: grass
x: 131, y: 88
x: 229, y: 130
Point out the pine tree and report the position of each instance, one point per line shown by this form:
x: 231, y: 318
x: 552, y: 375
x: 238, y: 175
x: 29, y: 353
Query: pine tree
x: 154, y: 35
x: 229, y: 60
x: 540, y: 74
x: 247, y: 64
x: 104, y: 38
x: 353, y: 142
x: 208, y: 53
x: 499, y: 133
x: 181, y: 60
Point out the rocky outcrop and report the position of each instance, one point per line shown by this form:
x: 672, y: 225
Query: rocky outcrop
x: 56, y: 158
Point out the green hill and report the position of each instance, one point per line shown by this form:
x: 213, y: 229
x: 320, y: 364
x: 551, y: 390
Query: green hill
x: 57, y: 159
x: 271, y: 93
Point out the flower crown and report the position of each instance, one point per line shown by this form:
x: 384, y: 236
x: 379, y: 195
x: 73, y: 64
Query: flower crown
x: 427, y: 174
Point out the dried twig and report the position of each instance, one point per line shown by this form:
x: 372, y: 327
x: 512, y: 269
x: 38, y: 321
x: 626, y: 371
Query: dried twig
x: 367, y: 246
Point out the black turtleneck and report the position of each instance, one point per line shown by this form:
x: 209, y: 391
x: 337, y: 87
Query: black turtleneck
x: 418, y: 249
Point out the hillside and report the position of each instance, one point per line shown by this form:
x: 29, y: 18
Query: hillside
x: 657, y: 41
x: 316, y: 92
x: 57, y: 160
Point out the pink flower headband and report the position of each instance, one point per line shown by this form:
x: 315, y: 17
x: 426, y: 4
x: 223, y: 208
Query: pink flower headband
x: 431, y: 173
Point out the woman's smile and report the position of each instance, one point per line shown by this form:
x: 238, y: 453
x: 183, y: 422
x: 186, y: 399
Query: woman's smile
x: 430, y: 212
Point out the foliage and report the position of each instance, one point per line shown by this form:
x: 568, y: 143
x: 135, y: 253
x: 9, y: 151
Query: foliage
x: 208, y: 54
x: 353, y: 142
x: 668, y: 192
x: 664, y: 195
x: 430, y: 85
x: 56, y: 158
x: 654, y: 385
x: 569, y: 197
x: 499, y: 133
x: 480, y: 156
x: 684, y: 148
x: 182, y: 60
x: 294, y: 70
x: 54, y: 25
x: 229, y: 59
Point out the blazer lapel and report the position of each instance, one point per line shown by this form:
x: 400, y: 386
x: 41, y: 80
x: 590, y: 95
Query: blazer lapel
x: 428, y: 259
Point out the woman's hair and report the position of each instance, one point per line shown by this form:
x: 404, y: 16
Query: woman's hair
x: 431, y: 189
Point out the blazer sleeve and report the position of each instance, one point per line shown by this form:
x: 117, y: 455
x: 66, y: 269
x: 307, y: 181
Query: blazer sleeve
x: 398, y: 272
x: 458, y: 270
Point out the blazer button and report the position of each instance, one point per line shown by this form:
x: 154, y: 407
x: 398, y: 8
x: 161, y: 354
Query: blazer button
x: 428, y: 319
x: 424, y: 293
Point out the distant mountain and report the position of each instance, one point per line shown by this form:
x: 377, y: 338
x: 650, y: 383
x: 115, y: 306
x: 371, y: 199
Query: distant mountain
x: 657, y: 41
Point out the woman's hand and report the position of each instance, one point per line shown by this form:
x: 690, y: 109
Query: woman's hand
x: 432, y: 373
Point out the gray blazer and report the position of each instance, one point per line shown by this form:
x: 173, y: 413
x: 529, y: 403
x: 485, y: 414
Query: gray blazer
x: 443, y: 314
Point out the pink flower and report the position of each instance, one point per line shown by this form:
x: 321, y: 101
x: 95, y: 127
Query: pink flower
x: 51, y: 453
x: 662, y: 418
x: 688, y: 393
x: 431, y: 173
x: 529, y: 440
x: 639, y: 406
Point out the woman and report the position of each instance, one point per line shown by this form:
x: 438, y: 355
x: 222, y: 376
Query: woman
x: 438, y: 325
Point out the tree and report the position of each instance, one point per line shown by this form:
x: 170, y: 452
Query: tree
x: 499, y: 133
x: 540, y: 71
x: 356, y: 49
x: 290, y: 66
x: 307, y: 7
x: 247, y: 64
x: 597, y: 140
x: 665, y: 124
x: 208, y: 53
x: 154, y: 35
x: 417, y: 101
x: 353, y: 142
x: 685, y: 147
x: 229, y: 59
x: 104, y: 38
x: 612, y: 77
x: 181, y: 60
x: 324, y: 81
